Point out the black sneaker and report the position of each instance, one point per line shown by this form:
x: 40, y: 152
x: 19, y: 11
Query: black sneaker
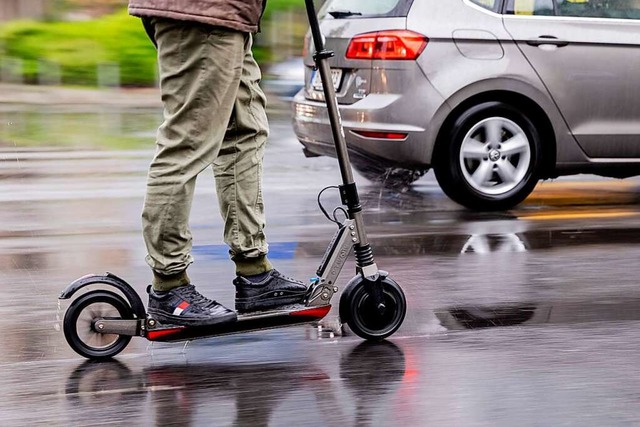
x: 185, y: 306
x: 274, y: 291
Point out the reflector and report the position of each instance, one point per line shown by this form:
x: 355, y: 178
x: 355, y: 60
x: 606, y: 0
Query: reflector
x: 398, y: 136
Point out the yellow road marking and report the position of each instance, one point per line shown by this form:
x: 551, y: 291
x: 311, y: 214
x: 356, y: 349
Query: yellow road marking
x: 587, y: 185
x: 563, y: 215
x: 584, y: 193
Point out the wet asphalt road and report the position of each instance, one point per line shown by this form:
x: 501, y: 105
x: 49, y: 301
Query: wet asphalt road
x: 526, y: 318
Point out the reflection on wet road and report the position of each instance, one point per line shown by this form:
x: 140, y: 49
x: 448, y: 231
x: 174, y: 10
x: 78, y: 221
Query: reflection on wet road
x: 528, y: 317
x: 242, y: 394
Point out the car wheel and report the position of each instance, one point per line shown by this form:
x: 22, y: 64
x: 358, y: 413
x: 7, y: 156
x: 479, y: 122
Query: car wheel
x: 388, y: 176
x: 491, y: 157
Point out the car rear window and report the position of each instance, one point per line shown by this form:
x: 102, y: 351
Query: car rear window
x: 620, y: 9
x: 350, y: 9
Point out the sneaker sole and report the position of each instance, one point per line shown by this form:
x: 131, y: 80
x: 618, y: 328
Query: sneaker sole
x: 182, y: 321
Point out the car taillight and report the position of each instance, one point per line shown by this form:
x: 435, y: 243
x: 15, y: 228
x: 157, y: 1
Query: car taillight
x: 392, y: 45
x: 396, y: 136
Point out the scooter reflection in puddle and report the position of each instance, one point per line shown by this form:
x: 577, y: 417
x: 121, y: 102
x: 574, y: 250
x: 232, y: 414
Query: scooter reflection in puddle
x: 249, y: 394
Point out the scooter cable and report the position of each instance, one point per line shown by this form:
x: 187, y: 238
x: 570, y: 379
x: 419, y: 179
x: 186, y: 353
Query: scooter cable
x: 324, y: 211
x: 340, y: 209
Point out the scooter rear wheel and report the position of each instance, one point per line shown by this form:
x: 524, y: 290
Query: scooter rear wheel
x: 80, y: 318
x: 358, y: 309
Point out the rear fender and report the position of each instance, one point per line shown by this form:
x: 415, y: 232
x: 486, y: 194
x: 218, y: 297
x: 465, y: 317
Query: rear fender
x: 109, y: 280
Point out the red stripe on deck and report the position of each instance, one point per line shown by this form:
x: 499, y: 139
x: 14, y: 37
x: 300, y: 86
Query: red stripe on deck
x: 317, y: 312
x: 154, y: 335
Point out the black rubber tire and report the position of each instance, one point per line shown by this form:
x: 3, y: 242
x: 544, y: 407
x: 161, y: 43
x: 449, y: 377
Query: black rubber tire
x: 359, y: 312
x: 449, y: 173
x: 71, y: 320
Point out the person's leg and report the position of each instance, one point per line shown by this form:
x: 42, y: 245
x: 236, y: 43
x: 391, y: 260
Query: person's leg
x: 238, y: 174
x: 200, y: 71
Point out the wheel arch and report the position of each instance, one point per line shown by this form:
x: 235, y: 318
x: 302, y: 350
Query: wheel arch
x: 108, y: 279
x: 533, y: 110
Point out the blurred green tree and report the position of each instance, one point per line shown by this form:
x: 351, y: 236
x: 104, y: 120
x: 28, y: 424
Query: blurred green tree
x: 77, y: 49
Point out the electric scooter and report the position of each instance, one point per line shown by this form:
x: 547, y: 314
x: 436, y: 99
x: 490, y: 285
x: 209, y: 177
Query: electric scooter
x: 100, y: 323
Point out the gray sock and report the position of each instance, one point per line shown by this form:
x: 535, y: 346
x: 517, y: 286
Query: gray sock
x: 257, y: 277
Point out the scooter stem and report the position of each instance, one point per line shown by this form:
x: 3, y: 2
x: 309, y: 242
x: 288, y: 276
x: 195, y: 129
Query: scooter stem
x: 321, y: 58
x: 348, y: 190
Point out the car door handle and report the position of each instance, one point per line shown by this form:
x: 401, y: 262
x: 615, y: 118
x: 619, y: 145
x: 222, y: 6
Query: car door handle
x: 547, y: 40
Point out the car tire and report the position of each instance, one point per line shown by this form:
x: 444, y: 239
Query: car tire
x: 490, y: 157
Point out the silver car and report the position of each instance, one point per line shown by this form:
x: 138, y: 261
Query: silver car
x: 494, y: 95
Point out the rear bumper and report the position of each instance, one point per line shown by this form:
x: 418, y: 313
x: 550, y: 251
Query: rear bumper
x: 378, y: 113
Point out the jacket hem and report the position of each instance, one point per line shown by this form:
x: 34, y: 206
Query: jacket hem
x: 180, y: 16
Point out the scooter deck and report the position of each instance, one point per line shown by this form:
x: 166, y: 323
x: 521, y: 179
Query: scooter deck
x: 291, y: 316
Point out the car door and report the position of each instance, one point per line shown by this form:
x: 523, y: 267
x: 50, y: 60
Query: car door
x: 587, y: 53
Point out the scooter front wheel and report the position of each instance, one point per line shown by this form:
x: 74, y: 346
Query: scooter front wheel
x: 359, y: 310
x: 81, y: 316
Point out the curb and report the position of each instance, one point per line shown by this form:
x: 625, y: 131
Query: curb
x: 17, y: 97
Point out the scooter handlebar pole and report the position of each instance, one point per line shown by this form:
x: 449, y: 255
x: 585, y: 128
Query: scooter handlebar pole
x: 315, y: 25
x: 348, y: 190
x: 321, y: 58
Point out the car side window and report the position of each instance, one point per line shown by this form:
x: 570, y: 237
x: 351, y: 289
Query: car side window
x: 530, y: 7
x: 487, y: 4
x: 620, y: 9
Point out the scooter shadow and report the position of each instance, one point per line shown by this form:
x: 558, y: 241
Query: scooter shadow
x: 249, y: 394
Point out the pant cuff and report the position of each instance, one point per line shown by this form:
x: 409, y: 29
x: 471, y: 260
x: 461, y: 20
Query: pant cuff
x: 166, y: 282
x: 252, y: 266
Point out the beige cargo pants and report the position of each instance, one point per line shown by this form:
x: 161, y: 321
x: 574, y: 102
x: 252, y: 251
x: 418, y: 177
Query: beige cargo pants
x: 214, y: 116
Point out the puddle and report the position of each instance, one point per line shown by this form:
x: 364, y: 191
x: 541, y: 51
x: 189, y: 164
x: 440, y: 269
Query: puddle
x: 530, y: 313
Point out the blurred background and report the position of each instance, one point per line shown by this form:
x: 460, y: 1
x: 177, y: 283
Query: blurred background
x: 57, y: 54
